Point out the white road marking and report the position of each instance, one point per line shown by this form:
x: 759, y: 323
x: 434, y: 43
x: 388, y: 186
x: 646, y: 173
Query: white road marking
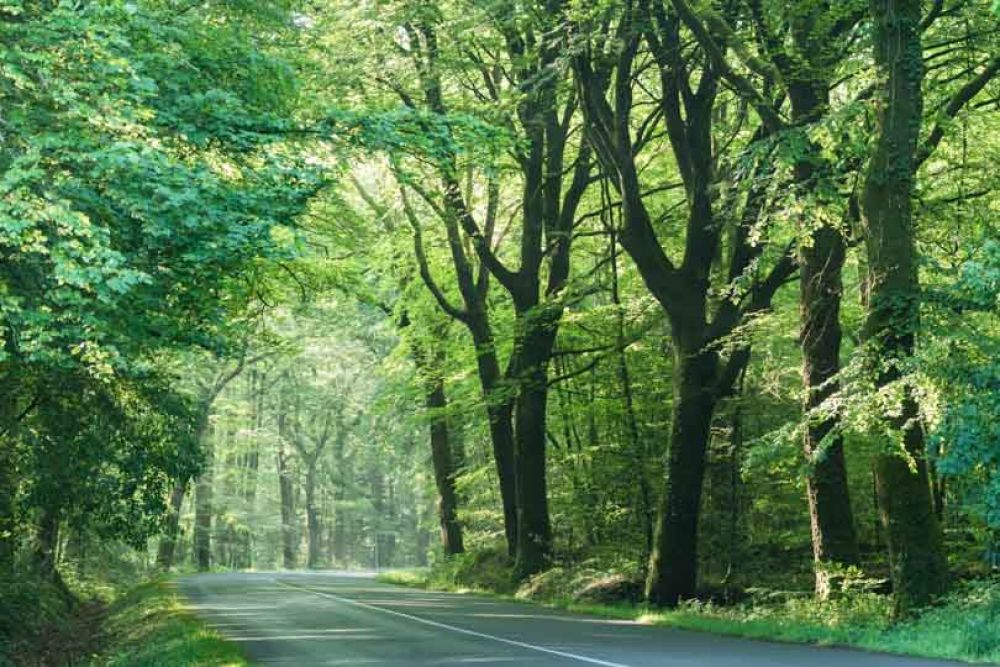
x: 453, y: 628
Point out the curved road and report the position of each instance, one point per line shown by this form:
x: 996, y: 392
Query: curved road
x: 349, y: 619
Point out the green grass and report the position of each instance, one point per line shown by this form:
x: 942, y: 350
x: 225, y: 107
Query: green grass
x: 150, y: 627
x: 965, y: 626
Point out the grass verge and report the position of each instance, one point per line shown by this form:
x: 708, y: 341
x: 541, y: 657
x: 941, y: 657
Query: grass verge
x: 149, y: 626
x: 965, y: 626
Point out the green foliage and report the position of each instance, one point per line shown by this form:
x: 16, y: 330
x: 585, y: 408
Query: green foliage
x: 29, y: 611
x: 102, y: 457
x: 133, y: 190
x: 146, y: 176
x: 963, y: 370
x: 219, y: 224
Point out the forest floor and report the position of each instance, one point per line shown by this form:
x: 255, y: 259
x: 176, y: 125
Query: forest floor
x: 965, y: 626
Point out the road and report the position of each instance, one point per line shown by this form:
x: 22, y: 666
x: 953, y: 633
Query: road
x: 348, y: 619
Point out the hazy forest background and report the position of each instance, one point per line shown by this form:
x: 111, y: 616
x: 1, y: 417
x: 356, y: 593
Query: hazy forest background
x: 647, y: 303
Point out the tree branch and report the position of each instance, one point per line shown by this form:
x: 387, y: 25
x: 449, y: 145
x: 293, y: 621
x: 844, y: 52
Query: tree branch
x: 740, y: 83
x: 422, y: 264
x: 964, y: 95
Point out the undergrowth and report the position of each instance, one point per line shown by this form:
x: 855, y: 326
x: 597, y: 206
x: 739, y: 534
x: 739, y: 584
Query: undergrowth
x: 963, y: 626
x: 150, y: 626
x: 44, y: 624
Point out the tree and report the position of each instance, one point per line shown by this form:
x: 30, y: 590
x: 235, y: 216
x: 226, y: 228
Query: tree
x: 919, y: 568
x: 133, y: 211
x: 688, y: 95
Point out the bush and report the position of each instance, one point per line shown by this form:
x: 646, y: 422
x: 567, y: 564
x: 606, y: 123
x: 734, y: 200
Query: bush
x: 485, y: 570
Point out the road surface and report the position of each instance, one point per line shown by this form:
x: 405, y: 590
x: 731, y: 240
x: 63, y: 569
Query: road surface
x: 348, y: 619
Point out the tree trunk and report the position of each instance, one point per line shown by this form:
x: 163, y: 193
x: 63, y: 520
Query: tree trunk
x: 203, y: 515
x: 256, y: 398
x: 340, y: 520
x: 673, y: 568
x: 340, y: 532
x: 312, y: 517
x: 499, y: 411
x: 833, y: 534
x: 534, y: 532
x: 8, y: 504
x: 287, y: 511
x: 168, y: 542
x: 821, y: 262
x: 47, y: 542
x: 444, y: 468
x: 916, y: 557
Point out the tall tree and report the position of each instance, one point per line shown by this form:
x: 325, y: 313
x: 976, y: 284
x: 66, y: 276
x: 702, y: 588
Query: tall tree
x: 686, y: 104
x: 808, y: 72
x: 916, y: 555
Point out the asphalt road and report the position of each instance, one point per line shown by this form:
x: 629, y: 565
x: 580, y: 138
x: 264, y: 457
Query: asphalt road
x: 348, y: 619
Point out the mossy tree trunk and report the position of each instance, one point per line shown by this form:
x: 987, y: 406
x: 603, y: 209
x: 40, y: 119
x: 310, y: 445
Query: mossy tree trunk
x: 444, y: 469
x: 916, y: 557
x: 683, y: 289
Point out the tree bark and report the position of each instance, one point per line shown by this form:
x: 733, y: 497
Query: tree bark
x: 673, y: 569
x: 313, y: 555
x: 444, y: 468
x: 47, y: 543
x: 203, y: 513
x: 834, y: 538
x: 288, y: 537
x: 252, y: 460
x: 473, y: 286
x: 168, y: 542
x: 916, y: 557
x: 534, y: 538
x: 683, y: 290
x: 821, y: 262
x: 547, y: 217
x: 340, y: 510
x: 499, y: 412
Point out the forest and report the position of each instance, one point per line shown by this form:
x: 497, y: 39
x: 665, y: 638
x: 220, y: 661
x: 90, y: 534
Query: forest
x: 686, y: 310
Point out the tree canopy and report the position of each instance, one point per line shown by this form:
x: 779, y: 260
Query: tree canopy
x: 704, y: 294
